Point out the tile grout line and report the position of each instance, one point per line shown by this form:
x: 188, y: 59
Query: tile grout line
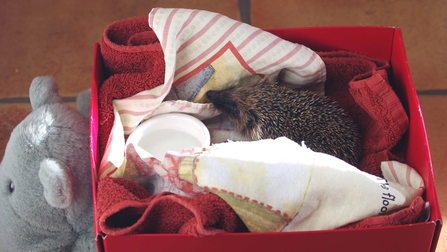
x: 432, y: 92
x: 26, y: 100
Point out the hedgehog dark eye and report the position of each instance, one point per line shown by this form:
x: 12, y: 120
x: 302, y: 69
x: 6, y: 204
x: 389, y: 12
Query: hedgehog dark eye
x: 11, y: 187
x: 230, y: 109
x: 233, y: 111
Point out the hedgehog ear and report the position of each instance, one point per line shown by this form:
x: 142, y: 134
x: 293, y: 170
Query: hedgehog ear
x: 43, y: 90
x: 249, y: 80
x: 271, y: 78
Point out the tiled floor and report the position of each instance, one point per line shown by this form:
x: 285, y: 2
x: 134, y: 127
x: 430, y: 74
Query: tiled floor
x: 50, y: 37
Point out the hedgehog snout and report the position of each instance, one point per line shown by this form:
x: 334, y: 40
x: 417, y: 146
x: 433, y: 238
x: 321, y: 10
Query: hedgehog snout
x: 216, y: 98
x: 223, y: 102
x: 210, y: 94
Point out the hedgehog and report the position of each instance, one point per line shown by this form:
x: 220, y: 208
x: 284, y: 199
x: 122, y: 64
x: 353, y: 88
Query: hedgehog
x: 267, y: 109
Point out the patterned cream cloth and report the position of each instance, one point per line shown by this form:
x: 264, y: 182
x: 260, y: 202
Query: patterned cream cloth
x: 278, y: 185
x: 205, y: 50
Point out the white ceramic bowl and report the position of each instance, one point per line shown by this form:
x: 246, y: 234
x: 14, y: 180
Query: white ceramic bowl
x: 171, y: 131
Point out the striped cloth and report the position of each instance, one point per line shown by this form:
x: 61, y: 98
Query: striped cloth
x: 207, y: 51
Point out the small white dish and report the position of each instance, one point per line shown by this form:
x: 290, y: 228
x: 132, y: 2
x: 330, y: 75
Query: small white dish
x: 169, y: 132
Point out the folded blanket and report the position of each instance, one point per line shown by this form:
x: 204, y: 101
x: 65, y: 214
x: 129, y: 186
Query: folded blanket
x: 134, y: 60
x: 202, y: 51
x: 123, y: 207
x: 360, y: 85
x: 281, y: 186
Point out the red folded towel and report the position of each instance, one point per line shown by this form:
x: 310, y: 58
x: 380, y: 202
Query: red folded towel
x: 124, y: 207
x: 134, y: 60
x: 360, y: 85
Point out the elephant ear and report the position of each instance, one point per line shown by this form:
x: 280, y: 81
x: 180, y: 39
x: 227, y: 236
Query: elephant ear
x: 43, y: 90
x: 83, y: 102
x: 56, y: 182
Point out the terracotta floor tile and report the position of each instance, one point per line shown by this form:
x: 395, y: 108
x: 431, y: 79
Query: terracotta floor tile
x: 435, y: 116
x: 423, y: 25
x: 50, y: 37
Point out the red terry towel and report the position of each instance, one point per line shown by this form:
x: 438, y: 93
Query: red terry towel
x: 360, y: 85
x: 134, y: 60
x: 126, y: 208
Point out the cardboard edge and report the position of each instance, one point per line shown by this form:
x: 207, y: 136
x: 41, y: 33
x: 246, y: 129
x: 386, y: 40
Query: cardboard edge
x: 97, y: 73
x: 412, y: 94
x: 346, y: 240
x: 436, y: 234
x: 96, y: 78
x: 435, y: 214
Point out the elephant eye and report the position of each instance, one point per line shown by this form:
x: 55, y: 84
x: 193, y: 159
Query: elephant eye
x: 11, y: 187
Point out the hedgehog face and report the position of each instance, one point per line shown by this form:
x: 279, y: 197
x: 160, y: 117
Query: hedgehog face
x: 224, y: 102
x: 238, y: 109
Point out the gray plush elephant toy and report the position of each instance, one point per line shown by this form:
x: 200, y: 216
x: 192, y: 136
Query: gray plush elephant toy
x: 45, y: 180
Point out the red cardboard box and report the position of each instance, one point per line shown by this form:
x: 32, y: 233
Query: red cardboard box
x: 379, y: 42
